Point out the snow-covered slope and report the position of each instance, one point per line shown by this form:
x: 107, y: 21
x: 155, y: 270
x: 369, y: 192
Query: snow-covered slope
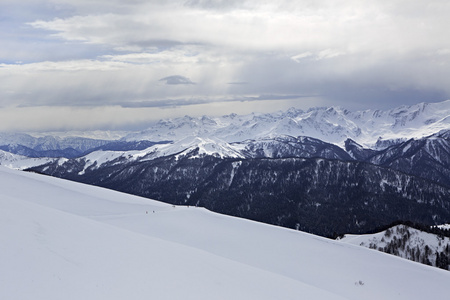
x: 66, y: 240
x: 20, y: 162
x: 183, y: 147
x: 406, y: 242
x: 333, y: 124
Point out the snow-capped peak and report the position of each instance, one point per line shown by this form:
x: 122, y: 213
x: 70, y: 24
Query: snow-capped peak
x: 205, y: 146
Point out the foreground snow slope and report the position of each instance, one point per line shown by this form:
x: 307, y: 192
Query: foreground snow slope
x: 67, y: 240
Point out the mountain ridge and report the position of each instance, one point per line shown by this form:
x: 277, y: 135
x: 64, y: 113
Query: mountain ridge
x: 330, y: 124
x: 374, y: 129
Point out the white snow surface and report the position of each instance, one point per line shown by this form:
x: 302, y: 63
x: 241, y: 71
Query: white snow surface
x: 66, y: 240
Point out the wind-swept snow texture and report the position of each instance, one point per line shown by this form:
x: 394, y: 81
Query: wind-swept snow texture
x: 65, y: 240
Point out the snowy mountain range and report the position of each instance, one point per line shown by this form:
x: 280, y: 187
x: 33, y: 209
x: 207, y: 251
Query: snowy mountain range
x: 373, y: 167
x: 65, y: 239
x: 333, y: 125
x: 370, y: 128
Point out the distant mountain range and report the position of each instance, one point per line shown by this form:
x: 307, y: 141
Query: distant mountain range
x: 69, y: 147
x: 325, y: 170
x: 370, y: 128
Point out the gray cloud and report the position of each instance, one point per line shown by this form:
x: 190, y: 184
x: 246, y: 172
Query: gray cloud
x: 176, y: 79
x: 238, y: 82
x: 220, y: 5
x: 104, y: 53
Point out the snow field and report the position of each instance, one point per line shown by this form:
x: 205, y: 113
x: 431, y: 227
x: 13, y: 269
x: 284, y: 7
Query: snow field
x: 62, y: 239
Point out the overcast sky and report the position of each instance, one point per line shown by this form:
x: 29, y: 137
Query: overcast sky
x: 118, y: 64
